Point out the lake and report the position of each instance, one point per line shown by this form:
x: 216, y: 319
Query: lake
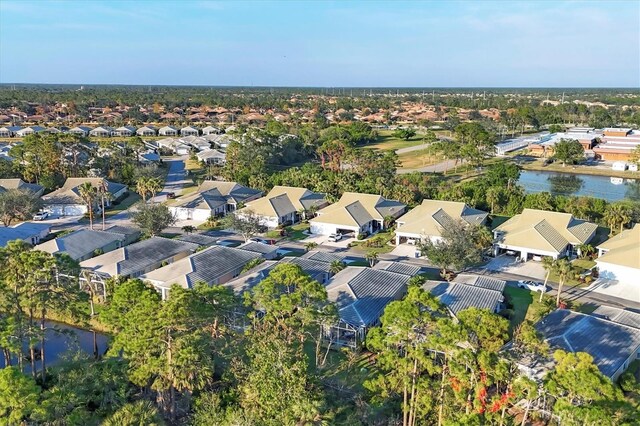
x: 66, y: 338
x: 608, y: 188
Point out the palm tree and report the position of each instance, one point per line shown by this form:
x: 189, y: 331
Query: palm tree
x: 493, y: 197
x: 135, y: 413
x: 372, y: 258
x: 563, y: 268
x: 310, y: 246
x: 105, y: 195
x: 336, y: 266
x: 617, y: 215
x: 154, y: 185
x: 142, y: 187
x: 88, y: 194
x: 586, y: 250
x: 548, y: 264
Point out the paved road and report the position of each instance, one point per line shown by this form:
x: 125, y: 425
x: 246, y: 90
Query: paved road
x: 176, y: 178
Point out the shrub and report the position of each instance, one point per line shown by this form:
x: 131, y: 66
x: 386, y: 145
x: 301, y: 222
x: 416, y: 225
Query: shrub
x: 628, y: 382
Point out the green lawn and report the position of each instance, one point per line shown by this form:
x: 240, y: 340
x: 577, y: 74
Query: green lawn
x: 124, y: 204
x: 419, y: 158
x: 363, y: 247
x: 584, y: 263
x: 296, y: 232
x: 526, y: 305
x: 386, y: 140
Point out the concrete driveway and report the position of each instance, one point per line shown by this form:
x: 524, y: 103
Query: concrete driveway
x: 510, y: 265
x: 405, y: 250
x: 623, y: 290
x: 323, y: 240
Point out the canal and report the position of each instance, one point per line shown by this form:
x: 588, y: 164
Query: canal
x: 62, y: 338
x: 608, y: 188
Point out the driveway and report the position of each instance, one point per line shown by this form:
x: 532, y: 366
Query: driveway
x: 623, y: 290
x: 510, y: 265
x: 322, y: 240
x: 405, y: 250
x: 175, y: 180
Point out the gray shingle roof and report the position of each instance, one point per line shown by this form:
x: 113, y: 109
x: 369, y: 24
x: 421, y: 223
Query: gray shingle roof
x: 481, y: 281
x: 554, y: 238
x: 617, y: 315
x: 217, y: 261
x: 257, y: 247
x: 311, y: 267
x: 324, y: 256
x: 359, y: 213
x: 282, y: 205
x: 361, y: 294
x: 609, y: 344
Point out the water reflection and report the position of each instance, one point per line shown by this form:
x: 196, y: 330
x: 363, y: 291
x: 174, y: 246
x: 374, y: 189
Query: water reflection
x: 565, y: 185
x: 633, y: 189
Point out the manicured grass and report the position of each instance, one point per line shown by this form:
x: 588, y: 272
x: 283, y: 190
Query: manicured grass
x: 273, y: 234
x: 123, y: 205
x: 362, y: 247
x: 526, y: 305
x: 188, y: 190
x: 584, y: 263
x: 416, y: 159
x: 386, y: 140
x: 296, y: 232
x: 192, y: 165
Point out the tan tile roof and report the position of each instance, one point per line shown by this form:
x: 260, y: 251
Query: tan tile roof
x: 545, y: 230
x: 282, y: 200
x: 624, y: 248
x: 358, y: 209
x: 430, y: 217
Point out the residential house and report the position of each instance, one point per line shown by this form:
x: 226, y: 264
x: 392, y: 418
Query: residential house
x: 543, y: 233
x: 16, y: 183
x: 174, y: 145
x: 197, y: 142
x: 203, y: 240
x: 361, y: 294
x: 67, y: 201
x: 428, y: 220
x: 146, y: 131
x: 29, y: 131
x: 212, y: 156
x: 611, y: 338
x: 398, y: 267
x: 210, y: 130
x: 29, y: 232
x: 80, y: 131
x: 83, y: 244
x: 285, y: 205
x: 168, y: 131
x: 9, y: 131
x: 358, y: 214
x: 189, y: 131
x: 101, y: 132
x: 138, y: 258
x: 214, y: 265
x: 149, y: 157
x: 130, y: 233
x: 467, y: 291
x: 267, y: 251
x: 124, y: 131
x: 618, y: 263
x: 213, y: 198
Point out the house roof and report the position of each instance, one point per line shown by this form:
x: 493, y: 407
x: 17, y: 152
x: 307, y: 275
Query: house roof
x: 623, y: 249
x: 432, y: 216
x: 81, y: 242
x: 257, y: 247
x: 69, y: 193
x: 398, y: 267
x: 312, y: 267
x: 207, y: 265
x: 21, y: 231
x: 284, y: 200
x: 361, y: 293
x: 212, y: 194
x: 354, y: 209
x: 6, y: 184
x: 609, y: 343
x: 617, y: 315
x: 137, y: 257
x: 544, y: 230
x: 251, y: 278
x: 468, y: 291
x: 200, y: 239
x: 324, y: 256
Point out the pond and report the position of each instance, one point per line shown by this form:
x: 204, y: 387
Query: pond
x: 61, y: 338
x: 608, y: 188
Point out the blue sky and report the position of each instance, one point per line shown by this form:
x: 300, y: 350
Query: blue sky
x: 316, y: 43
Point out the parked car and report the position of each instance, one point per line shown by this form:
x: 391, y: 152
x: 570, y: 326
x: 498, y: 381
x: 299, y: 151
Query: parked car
x: 537, y: 258
x: 510, y: 253
x: 171, y: 195
x: 41, y: 216
x: 532, y: 286
x: 334, y: 237
x: 263, y: 240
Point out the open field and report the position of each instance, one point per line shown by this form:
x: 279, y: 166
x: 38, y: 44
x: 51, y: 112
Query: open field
x: 386, y: 140
x: 416, y: 159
